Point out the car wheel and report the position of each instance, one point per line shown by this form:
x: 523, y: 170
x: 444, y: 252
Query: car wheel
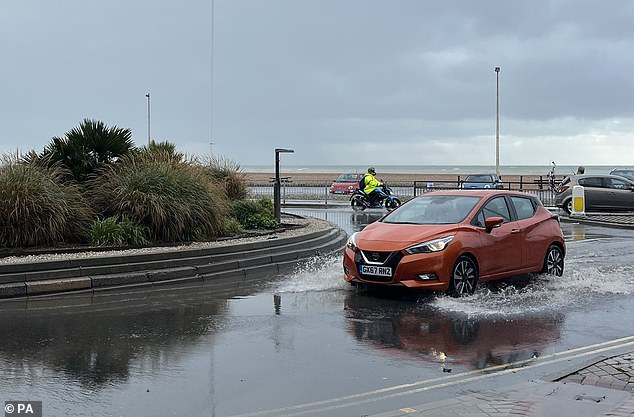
x: 567, y: 206
x: 554, y: 261
x: 464, y: 277
x: 357, y: 203
x: 392, y: 203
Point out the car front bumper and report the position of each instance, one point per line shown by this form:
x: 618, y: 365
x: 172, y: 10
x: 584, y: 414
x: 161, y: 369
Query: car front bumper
x: 425, y: 271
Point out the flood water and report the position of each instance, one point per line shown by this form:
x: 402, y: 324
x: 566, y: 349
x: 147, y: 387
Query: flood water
x: 261, y: 349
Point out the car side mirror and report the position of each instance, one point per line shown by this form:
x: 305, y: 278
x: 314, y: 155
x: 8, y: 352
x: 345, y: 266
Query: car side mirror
x: 491, y: 223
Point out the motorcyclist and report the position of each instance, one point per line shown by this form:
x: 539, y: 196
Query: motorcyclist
x: 372, y: 189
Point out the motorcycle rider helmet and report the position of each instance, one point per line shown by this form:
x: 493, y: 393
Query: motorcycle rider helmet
x: 371, y: 170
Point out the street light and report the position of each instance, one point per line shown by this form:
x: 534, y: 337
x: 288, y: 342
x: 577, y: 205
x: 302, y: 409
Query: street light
x: 211, y: 152
x: 148, y: 118
x: 497, y: 121
x: 277, y: 183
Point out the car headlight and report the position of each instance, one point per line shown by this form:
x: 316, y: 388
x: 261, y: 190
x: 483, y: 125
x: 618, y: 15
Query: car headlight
x: 435, y: 245
x: 351, y: 243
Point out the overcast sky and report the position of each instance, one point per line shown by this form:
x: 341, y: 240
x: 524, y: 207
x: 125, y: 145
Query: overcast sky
x: 339, y: 81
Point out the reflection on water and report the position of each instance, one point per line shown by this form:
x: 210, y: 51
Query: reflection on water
x: 420, y: 332
x: 95, y: 342
x: 94, y: 339
x: 359, y: 220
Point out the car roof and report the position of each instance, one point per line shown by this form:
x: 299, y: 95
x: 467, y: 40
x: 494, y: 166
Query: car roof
x: 487, y: 192
x: 618, y: 177
x: 482, y: 173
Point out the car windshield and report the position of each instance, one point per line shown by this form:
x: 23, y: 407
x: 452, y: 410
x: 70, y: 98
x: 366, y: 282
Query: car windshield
x: 433, y: 209
x: 479, y: 178
x: 627, y: 173
x: 347, y: 178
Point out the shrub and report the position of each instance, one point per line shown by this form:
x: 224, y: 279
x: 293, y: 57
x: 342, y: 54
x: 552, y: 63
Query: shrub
x: 258, y: 214
x: 163, y: 150
x: 172, y: 198
x: 86, y: 148
x: 229, y: 175
x: 109, y: 232
x: 231, y: 227
x: 37, y: 208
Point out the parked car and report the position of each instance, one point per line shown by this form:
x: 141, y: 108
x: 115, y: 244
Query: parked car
x: 601, y: 193
x: 623, y: 172
x: 451, y: 240
x: 345, y: 183
x: 481, y: 181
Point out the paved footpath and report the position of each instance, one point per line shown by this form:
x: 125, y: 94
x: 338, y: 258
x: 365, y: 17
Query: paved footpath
x: 600, y: 388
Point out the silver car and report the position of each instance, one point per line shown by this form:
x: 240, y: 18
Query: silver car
x: 602, y: 193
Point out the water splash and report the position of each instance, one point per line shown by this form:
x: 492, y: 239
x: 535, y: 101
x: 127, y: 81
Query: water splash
x: 580, y: 286
x: 319, y: 273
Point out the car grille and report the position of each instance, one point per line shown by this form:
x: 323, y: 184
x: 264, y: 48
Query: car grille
x: 390, y: 259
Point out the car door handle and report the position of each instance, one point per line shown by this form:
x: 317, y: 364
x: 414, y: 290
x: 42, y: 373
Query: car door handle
x: 515, y: 231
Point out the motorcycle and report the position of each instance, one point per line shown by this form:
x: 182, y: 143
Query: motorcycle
x: 360, y: 200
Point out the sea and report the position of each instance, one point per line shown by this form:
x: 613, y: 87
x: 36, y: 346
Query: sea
x: 435, y: 169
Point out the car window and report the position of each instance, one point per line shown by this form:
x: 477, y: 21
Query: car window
x: 496, y: 207
x: 347, y: 178
x: 523, y: 207
x: 437, y: 209
x: 617, y: 184
x: 591, y: 182
x: 479, y: 178
x: 627, y: 173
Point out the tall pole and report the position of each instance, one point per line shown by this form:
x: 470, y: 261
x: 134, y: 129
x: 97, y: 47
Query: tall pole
x: 211, y: 85
x: 497, y: 121
x: 277, y: 184
x: 148, y: 118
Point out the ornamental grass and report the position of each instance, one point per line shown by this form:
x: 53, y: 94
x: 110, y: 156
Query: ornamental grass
x: 171, y: 197
x: 38, y: 208
x: 228, y: 174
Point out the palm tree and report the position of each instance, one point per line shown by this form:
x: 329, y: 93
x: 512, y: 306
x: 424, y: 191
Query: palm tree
x: 89, y: 146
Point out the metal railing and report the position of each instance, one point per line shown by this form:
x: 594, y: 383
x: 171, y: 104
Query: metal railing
x: 319, y: 191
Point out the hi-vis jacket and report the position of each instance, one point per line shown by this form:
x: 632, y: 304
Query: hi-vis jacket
x: 371, y: 183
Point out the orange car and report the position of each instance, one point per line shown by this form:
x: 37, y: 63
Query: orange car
x: 451, y: 240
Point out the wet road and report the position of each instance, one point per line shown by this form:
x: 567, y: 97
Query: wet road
x: 306, y: 343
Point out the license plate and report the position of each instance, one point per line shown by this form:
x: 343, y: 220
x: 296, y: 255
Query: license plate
x: 381, y: 271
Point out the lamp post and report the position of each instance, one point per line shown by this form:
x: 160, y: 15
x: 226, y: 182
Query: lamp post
x: 277, y: 183
x: 497, y: 121
x: 148, y: 118
x: 211, y: 151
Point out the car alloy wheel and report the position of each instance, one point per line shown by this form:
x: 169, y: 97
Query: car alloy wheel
x: 568, y: 206
x: 554, y: 261
x: 464, y: 277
